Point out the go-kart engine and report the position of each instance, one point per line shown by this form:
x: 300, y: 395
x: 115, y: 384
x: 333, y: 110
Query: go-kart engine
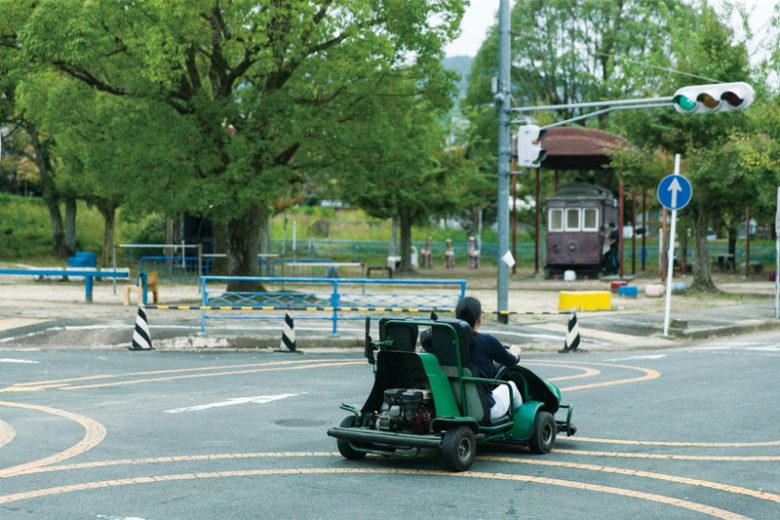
x: 405, y: 410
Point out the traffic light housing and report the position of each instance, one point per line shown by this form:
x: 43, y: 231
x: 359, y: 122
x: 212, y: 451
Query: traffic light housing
x: 529, y: 146
x: 718, y: 97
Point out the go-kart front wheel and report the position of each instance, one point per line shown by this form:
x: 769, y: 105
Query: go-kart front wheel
x: 458, y: 448
x: 345, y: 448
x: 543, y: 437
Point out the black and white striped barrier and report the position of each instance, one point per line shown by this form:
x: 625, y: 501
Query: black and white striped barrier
x: 572, y: 341
x: 142, y: 339
x: 288, y: 334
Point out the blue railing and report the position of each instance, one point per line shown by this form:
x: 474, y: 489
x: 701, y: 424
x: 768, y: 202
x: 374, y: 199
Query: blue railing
x: 332, y: 293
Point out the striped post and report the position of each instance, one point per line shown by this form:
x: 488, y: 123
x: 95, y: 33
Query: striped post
x: 572, y: 341
x: 142, y: 340
x: 288, y: 333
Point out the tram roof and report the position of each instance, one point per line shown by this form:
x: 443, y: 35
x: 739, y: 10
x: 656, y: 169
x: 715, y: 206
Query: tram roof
x: 577, y: 148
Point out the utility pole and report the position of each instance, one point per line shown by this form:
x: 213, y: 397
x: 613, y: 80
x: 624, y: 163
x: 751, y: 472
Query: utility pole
x: 504, y: 157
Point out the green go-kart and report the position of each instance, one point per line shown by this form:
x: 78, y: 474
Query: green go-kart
x: 430, y: 400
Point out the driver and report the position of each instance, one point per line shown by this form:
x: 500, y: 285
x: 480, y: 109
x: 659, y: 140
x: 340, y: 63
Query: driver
x: 485, y: 350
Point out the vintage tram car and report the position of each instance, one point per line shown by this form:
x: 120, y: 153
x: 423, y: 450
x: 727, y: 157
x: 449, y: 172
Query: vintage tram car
x: 578, y: 218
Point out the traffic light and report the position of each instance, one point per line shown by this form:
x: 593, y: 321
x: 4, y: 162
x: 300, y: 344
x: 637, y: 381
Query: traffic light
x: 719, y: 97
x: 529, y: 146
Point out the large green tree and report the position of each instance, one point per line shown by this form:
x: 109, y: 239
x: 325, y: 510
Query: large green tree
x: 24, y: 137
x: 707, y: 47
x: 259, y: 82
x: 393, y: 164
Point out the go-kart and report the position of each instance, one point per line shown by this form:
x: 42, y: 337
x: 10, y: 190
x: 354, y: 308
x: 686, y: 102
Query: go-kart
x: 431, y: 400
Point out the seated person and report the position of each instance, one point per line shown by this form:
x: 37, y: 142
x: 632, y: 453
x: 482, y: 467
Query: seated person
x: 485, y: 350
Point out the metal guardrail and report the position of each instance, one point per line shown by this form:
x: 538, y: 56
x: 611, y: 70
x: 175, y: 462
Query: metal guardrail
x: 331, y: 293
x: 89, y: 276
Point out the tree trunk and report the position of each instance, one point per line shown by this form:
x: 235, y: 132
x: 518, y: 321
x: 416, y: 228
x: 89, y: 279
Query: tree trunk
x: 70, y: 225
x: 219, y: 264
x: 242, y: 246
x: 58, y: 247
x: 702, y: 280
x: 265, y: 236
x: 108, y: 212
x: 50, y: 193
x: 405, y: 221
x: 732, y: 241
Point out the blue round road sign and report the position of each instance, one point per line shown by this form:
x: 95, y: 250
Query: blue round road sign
x: 674, y: 192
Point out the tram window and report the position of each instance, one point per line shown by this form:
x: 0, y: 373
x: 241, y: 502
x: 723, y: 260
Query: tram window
x: 572, y: 219
x: 590, y: 219
x: 556, y: 220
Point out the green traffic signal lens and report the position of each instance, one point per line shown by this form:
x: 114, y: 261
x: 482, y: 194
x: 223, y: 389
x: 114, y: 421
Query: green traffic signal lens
x: 685, y: 103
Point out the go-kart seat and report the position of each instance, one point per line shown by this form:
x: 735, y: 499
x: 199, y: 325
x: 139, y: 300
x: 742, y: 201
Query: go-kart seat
x: 443, y: 347
x: 403, y: 332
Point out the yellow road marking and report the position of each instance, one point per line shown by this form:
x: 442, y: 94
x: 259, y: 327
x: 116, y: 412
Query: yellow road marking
x: 753, y: 493
x: 676, y: 502
x: 210, y: 374
x: 681, y: 444
x: 661, y: 456
x: 650, y: 374
x: 7, y: 433
x: 62, y: 382
x: 94, y: 433
x: 586, y: 372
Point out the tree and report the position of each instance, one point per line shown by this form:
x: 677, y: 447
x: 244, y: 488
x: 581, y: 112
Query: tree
x: 259, y: 83
x: 36, y: 146
x: 392, y: 163
x: 706, y: 46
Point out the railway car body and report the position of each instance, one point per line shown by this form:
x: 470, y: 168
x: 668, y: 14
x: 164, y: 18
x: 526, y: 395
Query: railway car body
x: 578, y: 216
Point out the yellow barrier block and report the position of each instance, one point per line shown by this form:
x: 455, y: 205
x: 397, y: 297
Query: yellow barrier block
x: 585, y: 300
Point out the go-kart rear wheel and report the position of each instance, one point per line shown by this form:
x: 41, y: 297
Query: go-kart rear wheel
x: 543, y: 437
x: 345, y: 448
x: 458, y: 448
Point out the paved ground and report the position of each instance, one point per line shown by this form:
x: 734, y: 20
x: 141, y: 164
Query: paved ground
x: 118, y: 435
x: 669, y: 427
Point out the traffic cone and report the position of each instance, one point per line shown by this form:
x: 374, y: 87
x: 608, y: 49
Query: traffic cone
x: 142, y: 340
x: 288, y: 334
x: 572, y: 341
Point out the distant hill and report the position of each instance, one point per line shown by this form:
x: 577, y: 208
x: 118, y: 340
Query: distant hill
x: 461, y: 65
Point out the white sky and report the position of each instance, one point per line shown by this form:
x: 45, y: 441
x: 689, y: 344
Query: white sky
x: 481, y: 14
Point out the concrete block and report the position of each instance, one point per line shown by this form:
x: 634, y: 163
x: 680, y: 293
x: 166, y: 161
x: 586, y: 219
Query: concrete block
x: 654, y: 290
x: 585, y: 300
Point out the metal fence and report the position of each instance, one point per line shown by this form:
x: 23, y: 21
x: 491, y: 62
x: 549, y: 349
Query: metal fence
x: 332, y: 294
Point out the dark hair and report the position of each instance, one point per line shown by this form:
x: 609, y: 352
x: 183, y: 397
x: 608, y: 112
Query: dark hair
x: 469, y: 310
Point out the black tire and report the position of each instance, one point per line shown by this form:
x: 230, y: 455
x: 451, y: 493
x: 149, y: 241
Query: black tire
x: 345, y: 448
x: 543, y: 437
x: 458, y: 448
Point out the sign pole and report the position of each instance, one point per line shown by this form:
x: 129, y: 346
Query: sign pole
x: 670, y: 265
x: 777, y: 257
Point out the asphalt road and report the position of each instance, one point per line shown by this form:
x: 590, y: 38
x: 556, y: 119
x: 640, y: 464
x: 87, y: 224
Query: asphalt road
x: 109, y: 434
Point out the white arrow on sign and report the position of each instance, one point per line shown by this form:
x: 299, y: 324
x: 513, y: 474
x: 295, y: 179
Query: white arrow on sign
x: 675, y: 188
x: 260, y: 399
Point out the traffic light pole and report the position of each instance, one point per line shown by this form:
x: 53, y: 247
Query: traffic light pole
x: 502, y: 97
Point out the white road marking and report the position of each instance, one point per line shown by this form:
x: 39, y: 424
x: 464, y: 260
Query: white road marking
x: 768, y: 348
x: 13, y: 360
x: 631, y: 358
x: 259, y: 399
